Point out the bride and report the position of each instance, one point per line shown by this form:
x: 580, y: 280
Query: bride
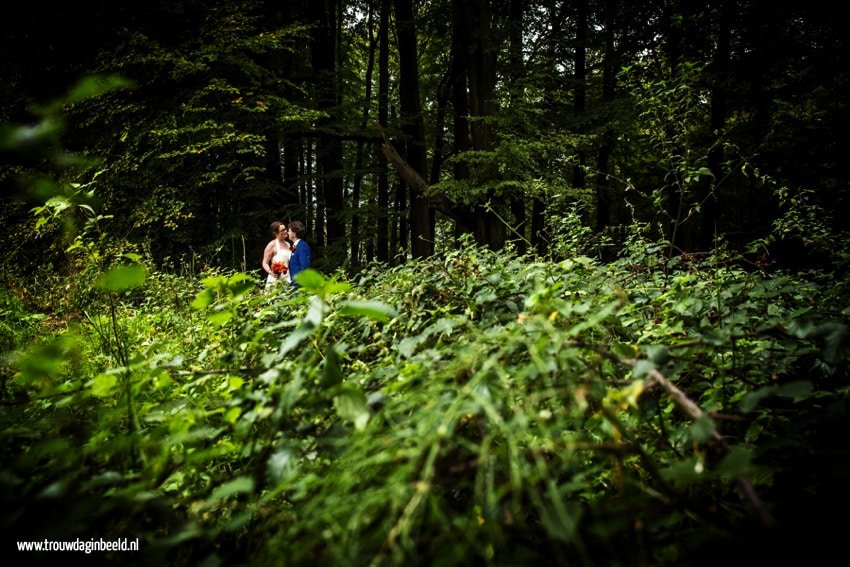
x: 276, y: 256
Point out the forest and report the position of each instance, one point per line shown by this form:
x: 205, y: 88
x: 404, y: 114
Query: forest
x: 579, y: 291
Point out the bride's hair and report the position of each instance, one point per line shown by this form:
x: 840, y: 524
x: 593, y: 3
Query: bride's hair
x: 275, y: 228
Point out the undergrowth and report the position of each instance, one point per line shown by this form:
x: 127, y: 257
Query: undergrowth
x: 472, y: 408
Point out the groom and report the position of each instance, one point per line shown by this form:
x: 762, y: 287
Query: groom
x: 302, y: 257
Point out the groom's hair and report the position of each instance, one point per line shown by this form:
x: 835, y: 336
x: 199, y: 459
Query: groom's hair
x: 298, y: 228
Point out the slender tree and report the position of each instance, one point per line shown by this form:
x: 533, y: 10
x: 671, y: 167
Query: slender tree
x: 413, y: 127
x: 383, y: 188
x: 329, y: 147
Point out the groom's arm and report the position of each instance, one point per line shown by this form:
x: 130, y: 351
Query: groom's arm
x: 308, y: 257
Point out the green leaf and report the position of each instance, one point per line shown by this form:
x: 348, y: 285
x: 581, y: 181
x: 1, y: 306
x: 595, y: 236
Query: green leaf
x: 282, y: 465
x: 310, y: 279
x: 333, y: 372
x: 702, y: 429
x: 642, y: 367
x: 203, y: 299
x: 374, y: 310
x: 103, y: 384
x: 407, y: 347
x: 751, y: 400
x: 624, y: 349
x: 122, y: 278
x: 96, y: 85
x: 351, y: 405
x: 658, y: 354
x: 232, y: 415
x: 296, y: 337
x: 240, y: 485
x: 682, y: 473
x: 219, y: 318
x: 333, y: 287
x: 214, y: 282
x: 737, y: 463
x: 797, y: 390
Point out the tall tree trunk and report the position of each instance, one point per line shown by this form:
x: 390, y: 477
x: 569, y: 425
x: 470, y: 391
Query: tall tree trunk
x: 580, y: 88
x: 603, y: 183
x: 460, y: 105
x: 489, y: 228
x: 539, y: 237
x: 383, y: 187
x: 358, y: 175
x: 515, y: 71
x: 329, y: 156
x: 413, y: 127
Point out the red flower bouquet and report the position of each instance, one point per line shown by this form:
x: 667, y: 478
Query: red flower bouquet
x: 279, y: 268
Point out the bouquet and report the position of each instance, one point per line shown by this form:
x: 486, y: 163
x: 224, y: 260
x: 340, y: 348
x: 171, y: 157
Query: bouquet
x: 279, y: 268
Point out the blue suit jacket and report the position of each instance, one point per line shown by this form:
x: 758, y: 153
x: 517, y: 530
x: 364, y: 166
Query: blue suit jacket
x: 301, y: 259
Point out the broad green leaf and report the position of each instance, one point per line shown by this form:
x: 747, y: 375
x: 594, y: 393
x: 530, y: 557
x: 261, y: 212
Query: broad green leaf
x: 282, y: 465
x: 642, y: 367
x: 240, y: 277
x: 203, y: 299
x: 232, y: 414
x: 103, y: 384
x: 238, y: 290
x: 443, y: 325
x: 407, y: 347
x: 219, y: 318
x: 799, y: 390
x: 351, y: 405
x: 122, y: 278
x: 310, y: 279
x: 96, y: 85
x: 214, y: 281
x: 374, y: 310
x: 316, y: 312
x: 332, y: 287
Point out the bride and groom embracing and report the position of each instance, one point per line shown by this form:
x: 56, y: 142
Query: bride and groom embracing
x: 287, y: 255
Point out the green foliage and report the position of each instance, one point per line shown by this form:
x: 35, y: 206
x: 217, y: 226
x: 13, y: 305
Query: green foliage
x: 473, y: 407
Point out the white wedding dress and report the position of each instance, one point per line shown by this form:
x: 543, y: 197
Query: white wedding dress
x: 281, y: 254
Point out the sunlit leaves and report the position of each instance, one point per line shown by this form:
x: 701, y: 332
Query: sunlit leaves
x: 104, y: 384
x: 123, y: 278
x: 374, y: 310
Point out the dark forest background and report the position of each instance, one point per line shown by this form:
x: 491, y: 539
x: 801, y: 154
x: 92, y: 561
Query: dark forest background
x: 692, y: 116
